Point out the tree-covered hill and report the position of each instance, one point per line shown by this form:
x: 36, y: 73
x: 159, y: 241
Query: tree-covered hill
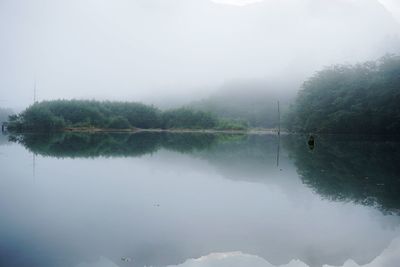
x: 362, y: 98
x: 60, y: 114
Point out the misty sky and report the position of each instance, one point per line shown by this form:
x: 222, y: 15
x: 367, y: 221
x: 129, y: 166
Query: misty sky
x: 154, y: 50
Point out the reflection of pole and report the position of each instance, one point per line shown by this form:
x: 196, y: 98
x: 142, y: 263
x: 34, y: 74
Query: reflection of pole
x: 277, y: 154
x: 279, y: 120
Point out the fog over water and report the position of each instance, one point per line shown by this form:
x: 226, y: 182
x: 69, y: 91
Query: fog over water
x: 179, y: 50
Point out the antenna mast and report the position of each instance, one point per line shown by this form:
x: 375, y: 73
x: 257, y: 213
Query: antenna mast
x: 34, y: 92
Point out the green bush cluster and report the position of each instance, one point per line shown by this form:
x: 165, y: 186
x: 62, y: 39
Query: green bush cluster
x: 236, y: 125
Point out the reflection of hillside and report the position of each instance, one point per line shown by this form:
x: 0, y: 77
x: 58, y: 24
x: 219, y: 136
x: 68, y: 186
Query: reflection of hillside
x: 114, y: 144
x: 344, y: 168
x: 250, y: 158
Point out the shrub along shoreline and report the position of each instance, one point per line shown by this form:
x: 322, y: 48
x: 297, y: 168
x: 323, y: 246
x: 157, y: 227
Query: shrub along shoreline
x: 91, y: 115
x: 172, y: 130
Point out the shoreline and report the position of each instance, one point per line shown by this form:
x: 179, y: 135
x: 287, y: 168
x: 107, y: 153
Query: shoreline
x: 138, y: 130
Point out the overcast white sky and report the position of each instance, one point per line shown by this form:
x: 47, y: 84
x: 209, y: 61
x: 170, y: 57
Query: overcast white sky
x: 392, y: 6
x: 152, y: 50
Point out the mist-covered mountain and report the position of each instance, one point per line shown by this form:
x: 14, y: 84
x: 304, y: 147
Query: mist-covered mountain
x: 251, y: 101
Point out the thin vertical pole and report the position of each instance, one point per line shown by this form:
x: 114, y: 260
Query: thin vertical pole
x: 279, y: 119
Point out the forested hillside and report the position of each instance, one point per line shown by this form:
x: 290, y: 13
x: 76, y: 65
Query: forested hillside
x: 362, y: 98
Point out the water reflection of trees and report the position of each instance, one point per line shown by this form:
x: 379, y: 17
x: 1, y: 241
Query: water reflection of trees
x: 75, y: 145
x: 360, y: 169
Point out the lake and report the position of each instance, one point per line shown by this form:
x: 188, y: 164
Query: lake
x: 199, y: 200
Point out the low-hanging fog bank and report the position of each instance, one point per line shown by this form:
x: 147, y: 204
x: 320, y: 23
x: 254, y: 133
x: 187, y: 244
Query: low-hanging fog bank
x: 161, y: 51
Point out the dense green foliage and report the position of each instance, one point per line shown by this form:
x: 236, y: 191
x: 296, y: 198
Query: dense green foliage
x: 361, y: 169
x: 60, y: 114
x: 363, y: 98
x: 54, y: 115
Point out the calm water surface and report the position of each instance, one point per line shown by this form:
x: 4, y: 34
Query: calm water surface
x: 198, y: 200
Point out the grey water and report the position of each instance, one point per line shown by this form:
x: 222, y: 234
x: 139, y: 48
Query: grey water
x: 163, y: 199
